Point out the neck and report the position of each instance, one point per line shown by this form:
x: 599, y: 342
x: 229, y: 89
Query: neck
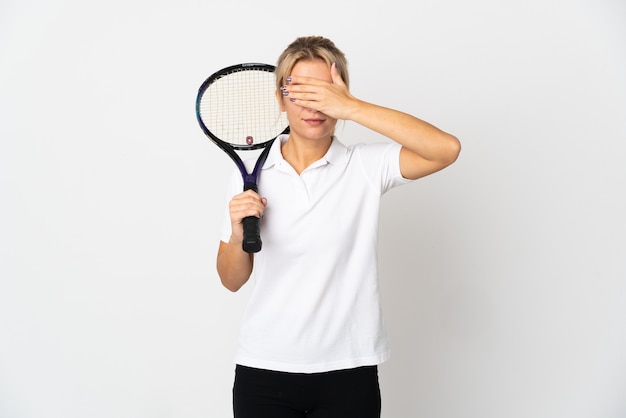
x: 301, y: 153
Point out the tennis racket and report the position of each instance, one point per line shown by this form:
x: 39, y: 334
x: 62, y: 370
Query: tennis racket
x: 238, y: 110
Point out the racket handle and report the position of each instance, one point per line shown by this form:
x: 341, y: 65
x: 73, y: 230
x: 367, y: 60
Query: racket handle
x: 251, y: 230
x: 251, y: 235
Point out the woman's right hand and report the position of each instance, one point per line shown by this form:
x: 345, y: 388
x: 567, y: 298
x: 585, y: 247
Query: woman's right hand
x: 245, y: 204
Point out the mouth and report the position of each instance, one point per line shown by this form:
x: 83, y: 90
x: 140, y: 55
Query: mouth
x: 314, y: 121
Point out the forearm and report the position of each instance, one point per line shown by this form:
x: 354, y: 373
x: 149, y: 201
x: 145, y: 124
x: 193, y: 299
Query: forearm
x: 418, y: 136
x: 427, y: 143
x: 234, y: 265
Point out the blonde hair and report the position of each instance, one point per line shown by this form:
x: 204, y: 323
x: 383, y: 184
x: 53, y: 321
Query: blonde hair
x: 310, y: 48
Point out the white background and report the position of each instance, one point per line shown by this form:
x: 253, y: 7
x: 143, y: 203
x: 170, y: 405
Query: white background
x: 503, y: 276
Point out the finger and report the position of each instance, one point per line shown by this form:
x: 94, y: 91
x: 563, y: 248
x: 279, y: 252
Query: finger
x: 335, y: 75
x: 247, y: 204
x: 247, y: 196
x: 237, y: 213
x: 244, y: 203
x: 291, y: 81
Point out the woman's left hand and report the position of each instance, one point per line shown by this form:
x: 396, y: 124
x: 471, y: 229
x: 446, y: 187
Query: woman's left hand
x: 330, y: 98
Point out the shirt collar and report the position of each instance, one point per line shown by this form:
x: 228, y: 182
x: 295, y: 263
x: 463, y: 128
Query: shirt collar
x: 336, y: 154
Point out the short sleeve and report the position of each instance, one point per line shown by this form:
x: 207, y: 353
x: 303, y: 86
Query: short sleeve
x: 381, y: 163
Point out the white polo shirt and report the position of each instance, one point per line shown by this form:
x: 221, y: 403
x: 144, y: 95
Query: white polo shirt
x: 315, y: 305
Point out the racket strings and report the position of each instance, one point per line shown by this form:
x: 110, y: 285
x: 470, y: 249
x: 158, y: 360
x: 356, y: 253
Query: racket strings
x: 241, y: 109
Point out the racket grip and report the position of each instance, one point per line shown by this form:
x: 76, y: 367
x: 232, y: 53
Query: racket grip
x: 251, y: 235
x: 251, y: 230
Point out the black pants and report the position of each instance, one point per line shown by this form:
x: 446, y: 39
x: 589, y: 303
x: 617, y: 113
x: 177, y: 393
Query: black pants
x: 352, y: 393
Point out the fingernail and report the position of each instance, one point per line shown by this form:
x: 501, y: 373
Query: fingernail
x: 288, y: 79
x: 292, y: 99
x: 285, y: 93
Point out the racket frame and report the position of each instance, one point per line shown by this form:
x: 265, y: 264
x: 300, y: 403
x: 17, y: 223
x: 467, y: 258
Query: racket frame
x: 252, y: 241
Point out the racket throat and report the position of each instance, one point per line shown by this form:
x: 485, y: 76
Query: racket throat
x: 250, y: 185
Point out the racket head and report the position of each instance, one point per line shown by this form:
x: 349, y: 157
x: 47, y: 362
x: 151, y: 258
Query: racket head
x: 237, y: 107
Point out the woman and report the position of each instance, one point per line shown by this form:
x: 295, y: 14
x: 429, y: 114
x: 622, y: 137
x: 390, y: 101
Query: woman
x: 312, y: 335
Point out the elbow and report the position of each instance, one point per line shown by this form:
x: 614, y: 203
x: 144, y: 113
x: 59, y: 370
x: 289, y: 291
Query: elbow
x: 456, y: 148
x: 453, y: 149
x: 231, y: 285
